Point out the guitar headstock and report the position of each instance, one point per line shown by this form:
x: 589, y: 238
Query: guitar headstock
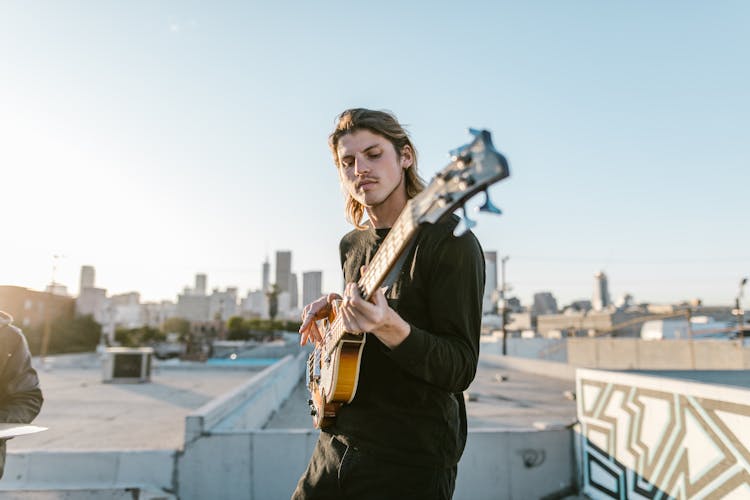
x: 473, y: 168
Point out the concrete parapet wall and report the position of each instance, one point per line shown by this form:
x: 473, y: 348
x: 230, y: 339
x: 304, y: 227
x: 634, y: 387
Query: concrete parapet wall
x: 76, y: 469
x: 534, y: 348
x: 251, y: 404
x: 549, y: 368
x: 637, y: 354
x: 266, y: 464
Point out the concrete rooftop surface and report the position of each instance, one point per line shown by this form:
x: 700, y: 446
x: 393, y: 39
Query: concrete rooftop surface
x: 498, y: 398
x: 83, y: 413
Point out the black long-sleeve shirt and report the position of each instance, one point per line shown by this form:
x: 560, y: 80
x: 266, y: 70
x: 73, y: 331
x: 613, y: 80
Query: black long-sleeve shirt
x: 409, y: 405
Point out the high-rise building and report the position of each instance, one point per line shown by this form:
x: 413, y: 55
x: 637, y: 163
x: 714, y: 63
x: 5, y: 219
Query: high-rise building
x: 88, y: 275
x: 293, y: 291
x: 200, y: 284
x: 283, y: 269
x: 600, y: 300
x: 266, y: 275
x: 544, y: 303
x: 312, y: 286
x: 489, y: 301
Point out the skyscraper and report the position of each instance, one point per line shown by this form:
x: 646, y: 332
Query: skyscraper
x: 266, y: 275
x: 200, y: 284
x: 283, y: 269
x: 312, y: 286
x: 88, y: 275
x: 600, y: 300
x: 489, y: 301
x: 293, y: 291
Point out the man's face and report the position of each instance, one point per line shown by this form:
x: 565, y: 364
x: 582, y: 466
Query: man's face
x: 371, y: 170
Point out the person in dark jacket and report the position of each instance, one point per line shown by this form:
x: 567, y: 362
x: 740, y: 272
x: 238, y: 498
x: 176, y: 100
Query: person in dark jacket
x: 20, y: 396
x: 404, y: 432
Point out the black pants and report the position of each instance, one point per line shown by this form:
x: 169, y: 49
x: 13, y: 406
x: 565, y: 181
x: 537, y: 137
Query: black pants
x: 338, y: 471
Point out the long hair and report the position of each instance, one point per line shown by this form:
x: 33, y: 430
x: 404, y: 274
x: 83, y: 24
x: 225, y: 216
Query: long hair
x: 385, y: 125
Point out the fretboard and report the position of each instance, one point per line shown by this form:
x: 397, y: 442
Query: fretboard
x: 394, y: 244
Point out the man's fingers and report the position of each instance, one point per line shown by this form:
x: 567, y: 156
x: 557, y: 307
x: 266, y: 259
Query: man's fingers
x: 350, y: 321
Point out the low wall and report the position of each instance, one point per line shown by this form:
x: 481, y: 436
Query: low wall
x: 266, y: 464
x: 644, y: 436
x: 637, y: 354
x: 70, y: 470
x: 250, y: 405
x: 548, y: 368
x: 534, y: 348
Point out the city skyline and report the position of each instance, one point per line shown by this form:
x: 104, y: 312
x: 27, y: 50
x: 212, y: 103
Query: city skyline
x: 155, y: 141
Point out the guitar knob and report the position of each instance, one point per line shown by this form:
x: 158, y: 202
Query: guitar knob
x: 313, y: 412
x: 310, y: 402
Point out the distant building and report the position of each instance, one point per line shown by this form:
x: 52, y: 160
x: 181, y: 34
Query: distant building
x: 293, y: 292
x: 544, y: 303
x: 30, y: 308
x: 192, y: 307
x: 625, y: 301
x: 578, y: 306
x: 266, y: 285
x: 593, y: 322
x: 92, y: 301
x: 255, y: 305
x: 57, y: 289
x: 284, y: 306
x: 154, y: 314
x: 514, y: 304
x: 519, y: 321
x: 88, y: 275
x: 491, y: 295
x: 600, y: 300
x: 200, y: 284
x: 283, y: 269
x: 126, y: 308
x: 223, y: 305
x: 312, y: 286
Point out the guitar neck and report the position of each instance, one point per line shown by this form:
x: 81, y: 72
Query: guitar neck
x: 381, y: 265
x: 390, y: 251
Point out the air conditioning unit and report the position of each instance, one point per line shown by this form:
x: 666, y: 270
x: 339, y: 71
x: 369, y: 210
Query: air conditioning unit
x: 127, y: 364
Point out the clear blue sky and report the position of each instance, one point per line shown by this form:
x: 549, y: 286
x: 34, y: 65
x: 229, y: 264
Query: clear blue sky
x: 155, y: 140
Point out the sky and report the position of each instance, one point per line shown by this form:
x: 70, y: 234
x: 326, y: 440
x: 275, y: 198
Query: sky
x: 156, y: 140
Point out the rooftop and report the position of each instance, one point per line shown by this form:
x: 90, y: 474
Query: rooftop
x: 83, y: 413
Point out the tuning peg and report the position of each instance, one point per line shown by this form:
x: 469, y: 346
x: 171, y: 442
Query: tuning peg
x: 488, y: 206
x: 461, y: 155
x: 465, y: 224
x: 455, y: 153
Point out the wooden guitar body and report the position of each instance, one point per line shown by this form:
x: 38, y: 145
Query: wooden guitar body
x: 332, y: 378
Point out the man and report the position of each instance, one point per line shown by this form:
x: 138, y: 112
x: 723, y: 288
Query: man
x: 404, y: 432
x: 20, y: 397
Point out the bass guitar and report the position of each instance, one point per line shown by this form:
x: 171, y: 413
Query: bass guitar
x: 333, y: 366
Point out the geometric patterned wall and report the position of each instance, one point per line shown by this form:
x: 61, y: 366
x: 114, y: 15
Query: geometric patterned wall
x: 644, y: 436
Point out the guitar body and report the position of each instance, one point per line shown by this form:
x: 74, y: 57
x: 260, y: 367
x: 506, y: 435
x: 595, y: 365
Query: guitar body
x: 332, y: 378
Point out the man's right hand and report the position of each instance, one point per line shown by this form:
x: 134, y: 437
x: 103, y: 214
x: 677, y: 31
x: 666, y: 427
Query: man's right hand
x: 313, y: 312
